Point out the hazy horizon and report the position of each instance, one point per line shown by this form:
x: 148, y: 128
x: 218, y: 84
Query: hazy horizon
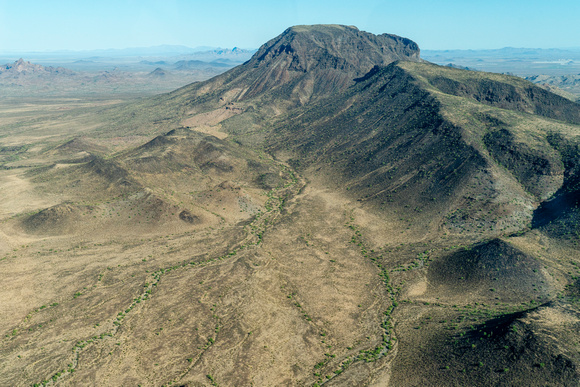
x: 35, y: 26
x: 210, y: 48
x: 184, y: 49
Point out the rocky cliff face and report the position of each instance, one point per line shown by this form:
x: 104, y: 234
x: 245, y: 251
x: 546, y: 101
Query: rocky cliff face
x: 311, y: 46
x: 306, y: 62
x: 331, y: 55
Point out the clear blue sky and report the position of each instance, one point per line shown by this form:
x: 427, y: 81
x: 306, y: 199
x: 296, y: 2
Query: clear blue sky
x: 433, y: 24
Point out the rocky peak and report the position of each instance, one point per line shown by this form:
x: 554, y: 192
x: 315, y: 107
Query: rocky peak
x: 22, y: 67
x: 336, y: 46
x: 306, y: 62
x: 25, y: 68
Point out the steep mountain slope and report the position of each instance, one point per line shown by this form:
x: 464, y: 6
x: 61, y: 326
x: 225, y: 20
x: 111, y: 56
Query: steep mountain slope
x: 395, y: 137
x: 311, y: 61
x: 392, y: 222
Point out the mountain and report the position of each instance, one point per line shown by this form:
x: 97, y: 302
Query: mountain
x: 510, y: 52
x: 235, y: 55
x: 301, y: 65
x: 334, y: 211
x: 137, y: 54
x: 524, y: 62
x: 160, y: 50
x: 22, y: 68
x: 158, y: 63
x: 306, y: 62
x: 26, y: 79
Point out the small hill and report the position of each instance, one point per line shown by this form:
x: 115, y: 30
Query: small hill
x: 489, y: 270
x: 158, y: 73
x: 59, y: 219
x: 530, y: 347
x: 453, y: 65
x: 179, y: 180
x: 80, y: 145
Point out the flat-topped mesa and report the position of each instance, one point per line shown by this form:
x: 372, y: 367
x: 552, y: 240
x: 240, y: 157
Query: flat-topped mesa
x: 306, y: 62
x: 344, y: 48
x: 324, y: 58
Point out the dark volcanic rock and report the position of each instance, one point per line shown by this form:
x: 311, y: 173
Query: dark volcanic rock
x: 489, y: 269
x: 523, y: 161
x: 304, y: 63
x: 331, y: 55
x: 188, y: 217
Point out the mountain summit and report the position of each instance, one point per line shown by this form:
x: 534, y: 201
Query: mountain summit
x: 297, y: 68
x: 331, y: 55
x: 306, y: 62
x: 311, y: 46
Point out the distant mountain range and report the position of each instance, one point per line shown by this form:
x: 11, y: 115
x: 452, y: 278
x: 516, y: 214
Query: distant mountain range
x: 532, y: 53
x: 23, y: 69
x: 24, y: 78
x: 523, y: 62
x: 145, y: 52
